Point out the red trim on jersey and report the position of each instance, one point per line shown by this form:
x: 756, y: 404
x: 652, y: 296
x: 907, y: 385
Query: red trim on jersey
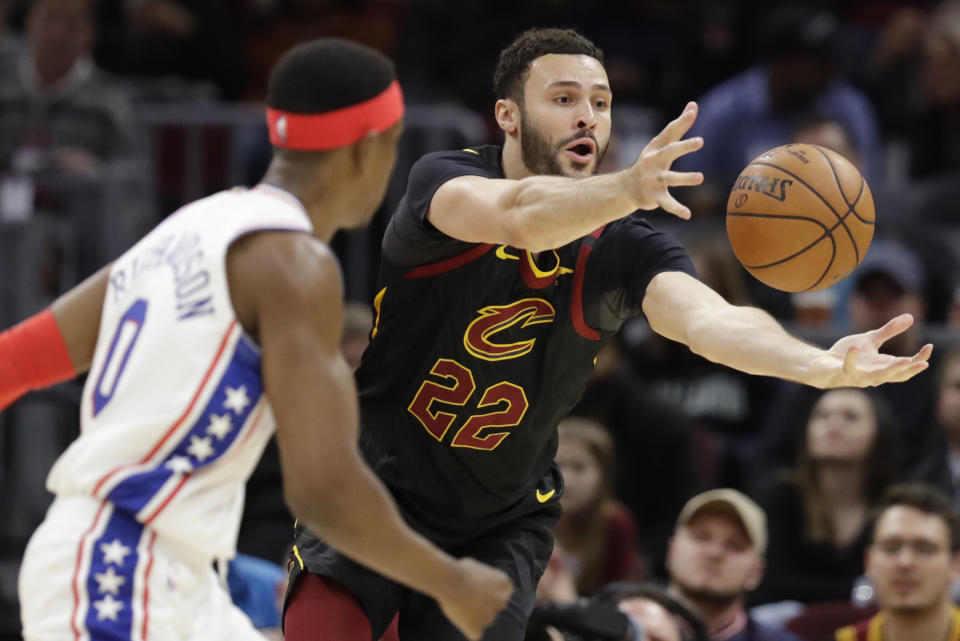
x: 186, y: 477
x: 146, y: 585
x: 76, y: 570
x: 576, y: 298
x: 533, y: 281
x: 337, y: 128
x: 253, y: 424
x: 183, y: 417
x: 167, y: 500
x: 450, y: 263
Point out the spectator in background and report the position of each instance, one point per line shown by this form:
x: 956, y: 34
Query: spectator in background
x: 912, y: 559
x: 948, y: 415
x: 758, y: 109
x: 11, y: 44
x: 58, y: 112
x: 655, y: 445
x: 888, y: 282
x: 935, y: 140
x: 595, y: 536
x: 716, y: 558
x: 819, y: 508
x: 194, y: 39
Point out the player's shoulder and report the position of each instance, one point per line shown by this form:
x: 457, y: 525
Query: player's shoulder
x: 483, y: 160
x: 285, y: 263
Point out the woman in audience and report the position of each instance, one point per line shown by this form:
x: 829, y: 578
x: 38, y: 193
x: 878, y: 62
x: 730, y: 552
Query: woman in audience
x: 818, y: 509
x: 595, y: 537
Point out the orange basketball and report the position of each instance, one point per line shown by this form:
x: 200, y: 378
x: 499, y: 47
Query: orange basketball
x: 800, y: 217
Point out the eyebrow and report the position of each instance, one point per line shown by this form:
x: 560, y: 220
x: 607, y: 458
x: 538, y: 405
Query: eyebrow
x: 573, y: 83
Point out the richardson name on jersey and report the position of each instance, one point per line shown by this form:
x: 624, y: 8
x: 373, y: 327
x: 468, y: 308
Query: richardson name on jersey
x: 191, y: 280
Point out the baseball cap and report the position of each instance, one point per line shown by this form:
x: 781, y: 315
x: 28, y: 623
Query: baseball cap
x: 750, y: 514
x: 894, y: 261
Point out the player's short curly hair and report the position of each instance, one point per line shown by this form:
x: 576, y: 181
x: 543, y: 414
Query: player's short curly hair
x: 513, y: 67
x: 327, y: 74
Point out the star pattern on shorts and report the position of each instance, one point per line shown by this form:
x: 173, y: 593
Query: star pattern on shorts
x: 179, y: 465
x: 108, y: 608
x: 237, y: 399
x: 109, y: 581
x: 219, y: 426
x: 200, y: 448
x: 114, y: 552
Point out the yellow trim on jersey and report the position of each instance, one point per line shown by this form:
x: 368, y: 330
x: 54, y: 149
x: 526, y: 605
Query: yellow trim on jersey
x: 539, y: 273
x: 543, y: 498
x: 955, y: 626
x: 471, y: 151
x: 296, y: 553
x: 503, y: 255
x: 848, y: 633
x: 377, y: 301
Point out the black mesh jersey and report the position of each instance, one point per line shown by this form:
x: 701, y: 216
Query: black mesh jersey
x: 479, y: 350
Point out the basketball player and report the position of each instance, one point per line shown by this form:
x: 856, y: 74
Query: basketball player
x: 190, y: 338
x: 504, y: 270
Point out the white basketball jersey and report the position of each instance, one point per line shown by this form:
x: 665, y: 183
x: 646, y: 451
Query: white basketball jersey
x: 174, y: 417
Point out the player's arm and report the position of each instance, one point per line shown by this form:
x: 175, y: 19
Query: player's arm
x: 683, y: 309
x: 54, y: 345
x: 543, y: 212
x: 286, y: 289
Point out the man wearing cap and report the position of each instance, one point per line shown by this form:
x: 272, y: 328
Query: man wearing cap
x: 716, y: 557
x: 913, y: 558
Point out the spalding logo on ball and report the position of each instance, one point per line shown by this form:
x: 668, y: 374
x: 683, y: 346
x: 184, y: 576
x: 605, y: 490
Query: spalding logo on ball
x: 800, y: 217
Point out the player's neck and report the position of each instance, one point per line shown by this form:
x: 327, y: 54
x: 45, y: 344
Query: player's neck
x: 512, y: 161
x: 313, y: 191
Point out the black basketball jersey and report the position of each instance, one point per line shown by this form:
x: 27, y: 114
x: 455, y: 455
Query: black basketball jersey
x: 479, y: 350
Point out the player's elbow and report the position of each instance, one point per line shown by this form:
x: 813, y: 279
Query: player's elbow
x: 522, y: 230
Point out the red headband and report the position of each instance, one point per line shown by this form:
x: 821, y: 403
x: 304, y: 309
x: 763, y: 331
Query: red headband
x: 337, y: 128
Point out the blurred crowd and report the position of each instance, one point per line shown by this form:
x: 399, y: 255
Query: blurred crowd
x: 113, y: 113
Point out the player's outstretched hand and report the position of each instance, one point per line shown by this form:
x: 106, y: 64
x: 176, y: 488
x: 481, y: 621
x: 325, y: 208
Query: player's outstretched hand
x: 474, y: 600
x: 651, y: 175
x: 855, y: 361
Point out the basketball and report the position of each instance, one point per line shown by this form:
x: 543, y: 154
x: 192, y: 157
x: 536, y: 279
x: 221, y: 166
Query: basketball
x: 800, y: 217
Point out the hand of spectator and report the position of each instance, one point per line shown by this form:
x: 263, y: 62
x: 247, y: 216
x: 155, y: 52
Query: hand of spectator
x: 77, y: 162
x: 855, y: 361
x: 651, y: 176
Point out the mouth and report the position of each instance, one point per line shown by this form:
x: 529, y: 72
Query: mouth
x: 581, y: 150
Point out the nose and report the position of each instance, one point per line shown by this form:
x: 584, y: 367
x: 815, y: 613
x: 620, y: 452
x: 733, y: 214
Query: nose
x: 587, y: 119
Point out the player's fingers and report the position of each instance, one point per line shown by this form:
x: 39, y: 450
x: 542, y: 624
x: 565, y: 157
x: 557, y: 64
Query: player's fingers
x: 850, y: 361
x: 905, y: 373
x: 924, y: 353
x: 682, y: 179
x: 674, y: 150
x: 672, y: 205
x: 677, y: 127
x: 893, y: 327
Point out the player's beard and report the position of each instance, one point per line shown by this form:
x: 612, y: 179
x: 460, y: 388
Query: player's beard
x: 541, y: 156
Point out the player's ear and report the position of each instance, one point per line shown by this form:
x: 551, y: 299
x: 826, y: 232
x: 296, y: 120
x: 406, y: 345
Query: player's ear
x: 507, y: 113
x: 362, y: 150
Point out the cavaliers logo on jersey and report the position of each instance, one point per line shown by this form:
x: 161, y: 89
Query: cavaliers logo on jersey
x: 480, y: 339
